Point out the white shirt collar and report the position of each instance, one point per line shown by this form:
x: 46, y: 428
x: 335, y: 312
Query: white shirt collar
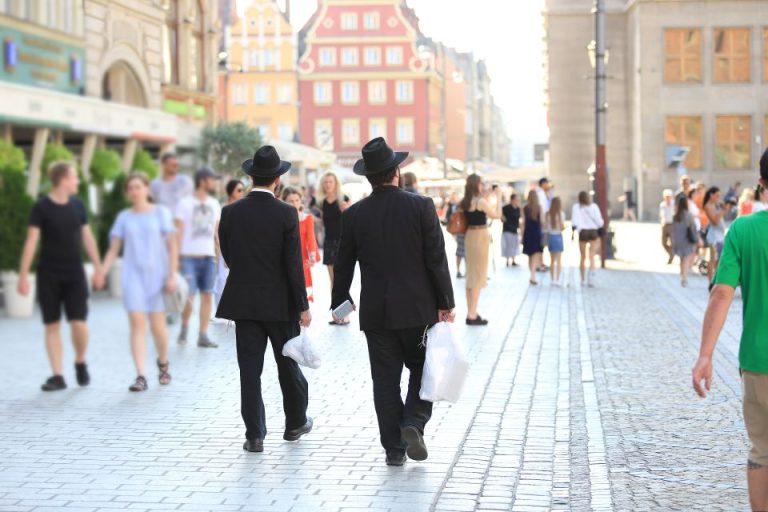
x: 264, y: 190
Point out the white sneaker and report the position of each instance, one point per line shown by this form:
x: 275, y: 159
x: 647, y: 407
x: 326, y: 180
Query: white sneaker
x: 591, y: 278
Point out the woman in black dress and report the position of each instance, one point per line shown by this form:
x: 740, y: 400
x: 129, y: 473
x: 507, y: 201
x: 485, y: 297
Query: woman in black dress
x: 332, y: 203
x: 532, y: 246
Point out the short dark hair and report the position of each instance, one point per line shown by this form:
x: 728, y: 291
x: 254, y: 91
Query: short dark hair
x: 764, y: 166
x: 167, y: 156
x: 231, y: 186
x: 263, y: 182
x: 382, y: 178
x: 543, y: 181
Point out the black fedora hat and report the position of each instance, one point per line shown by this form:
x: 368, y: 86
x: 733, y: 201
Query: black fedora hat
x: 378, y: 157
x: 265, y: 163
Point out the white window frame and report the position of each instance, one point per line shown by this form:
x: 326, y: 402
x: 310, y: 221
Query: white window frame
x: 264, y: 131
x: 239, y: 94
x: 350, y: 138
x: 348, y: 87
x: 371, y: 20
x: 327, y: 123
x: 377, y: 121
x: 405, y: 122
x: 261, y: 93
x: 321, y: 99
x: 400, y: 97
x: 372, y: 86
x: 348, y: 52
x: 284, y: 94
x: 328, y: 52
x: 376, y: 51
x: 395, y: 50
x: 348, y: 21
x: 285, y: 132
x: 269, y: 58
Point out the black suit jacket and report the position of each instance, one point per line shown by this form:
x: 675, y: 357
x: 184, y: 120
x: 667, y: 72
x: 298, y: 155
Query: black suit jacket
x: 259, y: 239
x: 396, y: 237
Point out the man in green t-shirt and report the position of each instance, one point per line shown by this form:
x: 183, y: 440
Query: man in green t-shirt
x: 744, y: 263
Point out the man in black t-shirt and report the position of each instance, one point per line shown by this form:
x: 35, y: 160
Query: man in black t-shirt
x: 60, y: 220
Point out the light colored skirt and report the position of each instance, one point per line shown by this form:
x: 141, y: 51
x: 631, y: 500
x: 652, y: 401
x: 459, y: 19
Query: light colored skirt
x: 510, y: 244
x: 477, y: 243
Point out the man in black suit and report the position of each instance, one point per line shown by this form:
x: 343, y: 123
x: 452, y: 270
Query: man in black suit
x: 406, y: 288
x: 265, y: 295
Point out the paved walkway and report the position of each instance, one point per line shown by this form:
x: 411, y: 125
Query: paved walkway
x: 577, y: 400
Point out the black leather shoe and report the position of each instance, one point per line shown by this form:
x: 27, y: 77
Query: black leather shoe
x: 295, y: 433
x: 253, y: 445
x: 395, y: 458
x: 416, y: 448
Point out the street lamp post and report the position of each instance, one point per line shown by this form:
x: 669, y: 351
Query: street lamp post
x: 601, y: 109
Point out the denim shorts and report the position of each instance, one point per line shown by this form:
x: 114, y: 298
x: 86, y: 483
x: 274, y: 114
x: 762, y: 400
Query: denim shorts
x: 200, y: 273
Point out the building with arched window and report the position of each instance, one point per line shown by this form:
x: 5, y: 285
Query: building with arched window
x: 117, y: 73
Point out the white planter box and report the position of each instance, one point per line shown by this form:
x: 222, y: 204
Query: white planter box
x: 115, y: 279
x: 16, y: 305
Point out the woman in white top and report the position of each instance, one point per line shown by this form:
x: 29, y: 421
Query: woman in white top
x: 587, y: 219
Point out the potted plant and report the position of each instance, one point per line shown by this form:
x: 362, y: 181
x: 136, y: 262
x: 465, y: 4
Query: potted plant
x: 15, y: 207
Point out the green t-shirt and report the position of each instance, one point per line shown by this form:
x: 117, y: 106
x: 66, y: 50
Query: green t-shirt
x: 745, y: 262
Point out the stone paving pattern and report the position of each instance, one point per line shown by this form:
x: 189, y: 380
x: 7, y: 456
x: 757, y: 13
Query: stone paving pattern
x: 577, y: 400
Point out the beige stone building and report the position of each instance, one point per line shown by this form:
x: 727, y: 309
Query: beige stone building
x: 122, y: 73
x: 682, y: 73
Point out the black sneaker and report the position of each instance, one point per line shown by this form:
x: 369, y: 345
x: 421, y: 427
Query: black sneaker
x: 55, y: 383
x: 81, y: 372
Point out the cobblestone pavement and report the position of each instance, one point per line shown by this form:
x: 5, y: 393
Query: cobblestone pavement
x: 578, y: 399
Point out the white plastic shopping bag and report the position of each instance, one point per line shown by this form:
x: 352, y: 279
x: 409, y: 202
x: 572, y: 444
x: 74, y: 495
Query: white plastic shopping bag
x: 303, y: 350
x: 445, y: 366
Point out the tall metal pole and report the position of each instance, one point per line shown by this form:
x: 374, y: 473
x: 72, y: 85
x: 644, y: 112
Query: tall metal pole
x: 601, y: 108
x: 444, y: 111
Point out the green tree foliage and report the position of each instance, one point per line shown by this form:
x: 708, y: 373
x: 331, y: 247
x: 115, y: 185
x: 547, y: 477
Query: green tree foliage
x: 112, y: 203
x: 144, y: 162
x: 226, y: 145
x: 106, y: 165
x: 15, y: 205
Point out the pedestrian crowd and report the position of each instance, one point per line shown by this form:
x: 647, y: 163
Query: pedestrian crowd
x: 250, y: 262
x: 535, y: 228
x: 695, y: 219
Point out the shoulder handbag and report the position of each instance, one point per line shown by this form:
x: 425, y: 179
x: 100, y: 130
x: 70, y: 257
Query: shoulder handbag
x: 457, y: 224
x: 690, y: 232
x: 601, y: 229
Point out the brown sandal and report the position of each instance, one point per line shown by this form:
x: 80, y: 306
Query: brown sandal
x: 140, y: 384
x: 165, y: 377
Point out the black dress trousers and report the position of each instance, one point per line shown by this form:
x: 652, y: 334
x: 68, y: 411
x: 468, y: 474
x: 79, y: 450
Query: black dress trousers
x: 251, y: 345
x: 389, y: 350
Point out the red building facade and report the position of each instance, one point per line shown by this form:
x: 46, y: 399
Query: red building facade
x: 361, y: 75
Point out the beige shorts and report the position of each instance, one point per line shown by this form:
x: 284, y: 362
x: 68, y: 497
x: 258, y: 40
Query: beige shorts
x: 755, y: 387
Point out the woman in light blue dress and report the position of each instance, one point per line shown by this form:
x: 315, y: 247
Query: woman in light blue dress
x: 145, y: 233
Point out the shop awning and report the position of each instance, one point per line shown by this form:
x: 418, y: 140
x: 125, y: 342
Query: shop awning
x: 303, y: 155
